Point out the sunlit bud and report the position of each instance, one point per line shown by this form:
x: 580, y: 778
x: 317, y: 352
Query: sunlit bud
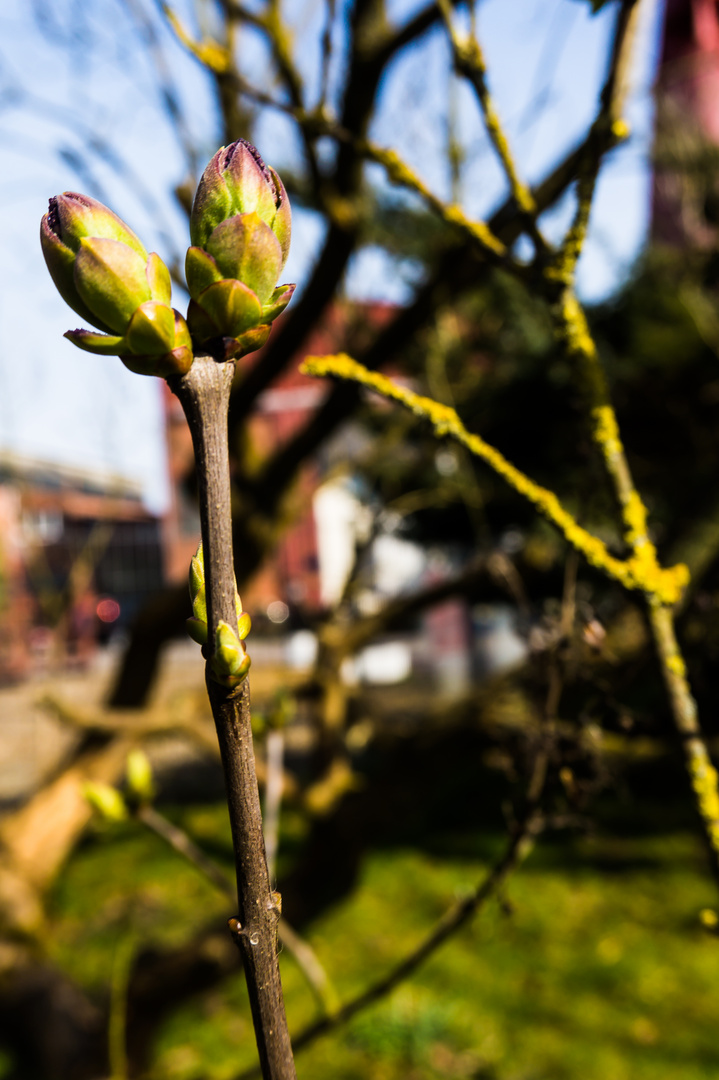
x: 138, y: 773
x: 197, y: 585
x: 709, y: 919
x: 70, y: 219
x: 197, y: 625
x: 237, y: 181
x: 197, y: 573
x: 230, y: 663
x: 106, y: 800
x: 197, y: 629
x: 104, y: 273
x: 240, y: 229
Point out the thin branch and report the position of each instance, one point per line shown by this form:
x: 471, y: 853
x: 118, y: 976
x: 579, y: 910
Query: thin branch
x: 396, y: 40
x: 117, y: 1020
x: 350, y: 639
x: 637, y: 572
x: 204, y: 393
x: 454, y: 918
x: 168, y: 89
x: 106, y: 150
x: 400, y: 173
x: 469, y: 62
x: 185, y: 846
x: 130, y: 723
x: 274, y: 785
x: 304, y: 954
x: 572, y: 327
x: 339, y: 194
x: 608, y: 128
x: 457, y: 271
x: 326, y: 55
x: 278, y: 36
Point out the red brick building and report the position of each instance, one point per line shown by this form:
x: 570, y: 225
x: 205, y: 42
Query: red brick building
x: 79, y: 554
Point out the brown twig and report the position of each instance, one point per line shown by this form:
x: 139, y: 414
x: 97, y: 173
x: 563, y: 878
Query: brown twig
x: 453, y: 919
x: 470, y: 64
x: 608, y: 128
x: 303, y: 953
x: 204, y: 393
x: 274, y: 787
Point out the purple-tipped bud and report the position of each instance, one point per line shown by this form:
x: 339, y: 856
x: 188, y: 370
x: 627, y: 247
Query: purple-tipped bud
x: 240, y: 228
x: 104, y: 273
x: 237, y: 181
x: 72, y: 218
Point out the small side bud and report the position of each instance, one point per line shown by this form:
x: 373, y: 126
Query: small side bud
x: 230, y: 663
x: 138, y: 774
x: 709, y: 920
x: 229, y: 652
x: 106, y: 800
x: 198, y: 596
x: 197, y: 629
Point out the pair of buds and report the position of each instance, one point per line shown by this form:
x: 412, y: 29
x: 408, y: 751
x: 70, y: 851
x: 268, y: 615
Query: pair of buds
x: 240, y: 233
x: 229, y: 662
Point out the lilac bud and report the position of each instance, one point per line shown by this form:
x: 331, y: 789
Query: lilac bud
x: 237, y: 181
x: 240, y: 228
x: 104, y: 273
x: 72, y: 218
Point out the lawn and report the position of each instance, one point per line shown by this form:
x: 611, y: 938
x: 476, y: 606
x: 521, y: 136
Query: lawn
x: 594, y: 966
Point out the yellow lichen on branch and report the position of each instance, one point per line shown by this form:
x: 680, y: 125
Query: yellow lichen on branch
x: 705, y: 783
x: 573, y: 327
x: 400, y: 173
x: 210, y: 53
x: 641, y: 571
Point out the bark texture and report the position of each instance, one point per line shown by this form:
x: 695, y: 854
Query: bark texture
x: 204, y: 393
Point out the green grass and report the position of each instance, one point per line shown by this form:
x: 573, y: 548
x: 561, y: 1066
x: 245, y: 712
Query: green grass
x: 601, y: 971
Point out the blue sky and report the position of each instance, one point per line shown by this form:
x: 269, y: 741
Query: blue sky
x: 546, y: 61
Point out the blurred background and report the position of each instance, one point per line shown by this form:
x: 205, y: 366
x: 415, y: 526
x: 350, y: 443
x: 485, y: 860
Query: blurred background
x: 421, y: 639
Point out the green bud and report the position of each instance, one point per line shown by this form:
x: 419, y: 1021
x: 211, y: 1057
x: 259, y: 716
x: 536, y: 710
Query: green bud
x: 138, y: 773
x: 240, y: 228
x: 197, y: 572
x: 201, y: 271
x: 229, y: 652
x: 245, y: 248
x: 111, y: 280
x: 104, y: 273
x: 70, y: 219
x: 197, y: 585
x: 106, y: 800
x: 237, y: 181
x: 102, y: 344
x: 230, y: 663
x: 176, y: 361
x: 151, y: 329
x: 197, y: 629
x: 231, y: 308
x: 277, y: 302
x: 197, y: 625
